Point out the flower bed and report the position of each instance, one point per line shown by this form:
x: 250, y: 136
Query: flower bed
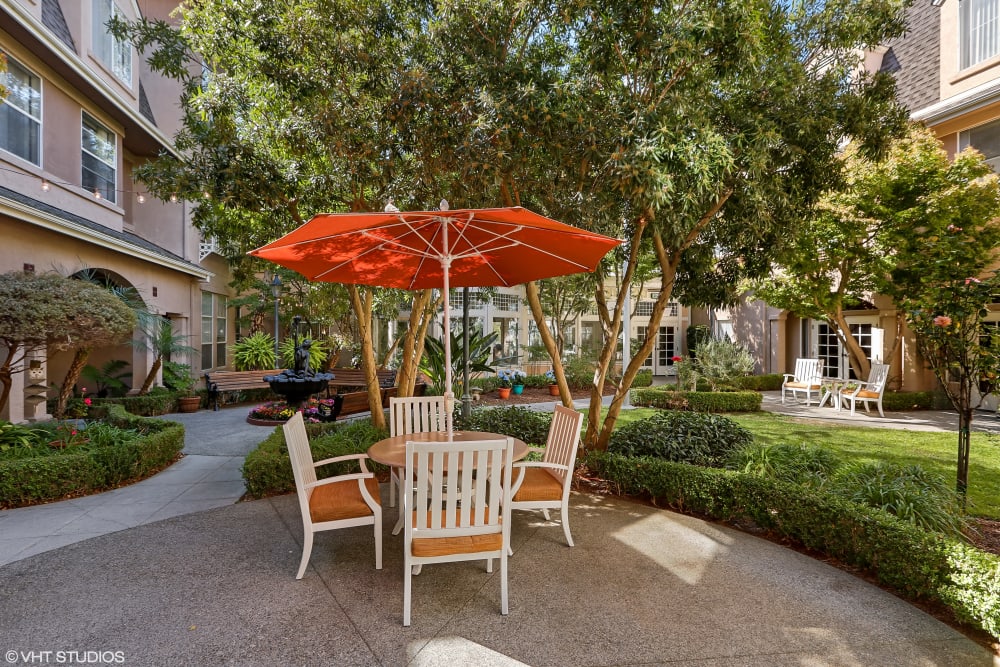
x: 274, y: 413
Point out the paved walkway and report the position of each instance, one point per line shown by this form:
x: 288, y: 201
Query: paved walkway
x: 171, y: 571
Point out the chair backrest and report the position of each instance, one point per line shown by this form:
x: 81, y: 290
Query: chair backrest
x: 808, y: 370
x: 297, y: 441
x: 464, y: 483
x: 563, y: 441
x: 877, y: 377
x: 417, y: 414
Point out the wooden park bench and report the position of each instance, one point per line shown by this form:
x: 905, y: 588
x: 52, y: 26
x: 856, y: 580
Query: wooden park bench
x: 217, y: 382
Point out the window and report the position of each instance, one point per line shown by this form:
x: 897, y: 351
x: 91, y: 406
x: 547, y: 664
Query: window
x: 116, y: 54
x: 506, y: 302
x: 644, y: 308
x: 214, y: 330
x: 986, y: 140
x: 100, y: 158
x: 21, y: 114
x: 979, y: 25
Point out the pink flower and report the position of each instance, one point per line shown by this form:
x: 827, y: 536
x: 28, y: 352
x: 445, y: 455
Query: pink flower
x: 72, y: 432
x: 972, y: 280
x: 942, y: 320
x: 953, y: 228
x: 86, y: 401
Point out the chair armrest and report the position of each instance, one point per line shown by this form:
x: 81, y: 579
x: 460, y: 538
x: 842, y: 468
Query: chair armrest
x: 856, y: 390
x: 540, y: 464
x: 788, y: 376
x: 340, y: 478
x: 360, y: 458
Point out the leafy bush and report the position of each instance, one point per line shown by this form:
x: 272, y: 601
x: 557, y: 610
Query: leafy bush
x: 700, y: 401
x: 579, y: 372
x: 722, y: 362
x: 317, y: 353
x: 643, y: 378
x: 14, y: 437
x: 157, y: 402
x: 267, y: 470
x: 800, y: 464
x: 521, y: 423
x: 909, y: 492
x: 912, y: 400
x: 767, y: 382
x: 254, y: 352
x: 147, y: 446
x: 689, y: 437
x: 913, y: 562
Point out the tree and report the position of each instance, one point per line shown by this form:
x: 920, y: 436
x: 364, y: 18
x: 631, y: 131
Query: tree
x: 158, y: 336
x: 563, y: 300
x: 863, y: 235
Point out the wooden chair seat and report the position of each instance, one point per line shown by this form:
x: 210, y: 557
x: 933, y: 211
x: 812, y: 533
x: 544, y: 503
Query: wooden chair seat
x: 864, y: 393
x: 803, y: 385
x: 429, y: 547
x: 342, y: 500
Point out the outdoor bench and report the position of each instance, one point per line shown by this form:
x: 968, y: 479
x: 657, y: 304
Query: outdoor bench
x: 217, y: 382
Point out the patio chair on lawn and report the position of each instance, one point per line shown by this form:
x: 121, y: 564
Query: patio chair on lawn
x: 545, y: 484
x: 343, y: 501
x: 418, y: 414
x: 869, y: 392
x: 807, y: 378
x: 456, y: 500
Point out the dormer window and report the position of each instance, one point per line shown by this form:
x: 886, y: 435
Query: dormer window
x: 115, y: 54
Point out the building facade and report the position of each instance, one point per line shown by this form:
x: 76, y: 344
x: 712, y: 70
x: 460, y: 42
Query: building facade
x: 82, y: 112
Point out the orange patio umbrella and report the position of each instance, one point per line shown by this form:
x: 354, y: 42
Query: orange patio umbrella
x: 437, y: 249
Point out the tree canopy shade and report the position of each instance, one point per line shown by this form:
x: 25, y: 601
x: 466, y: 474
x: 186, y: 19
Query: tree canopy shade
x: 46, y: 310
x: 696, y: 131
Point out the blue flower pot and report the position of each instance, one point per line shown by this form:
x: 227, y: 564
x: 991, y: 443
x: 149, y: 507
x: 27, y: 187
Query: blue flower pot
x: 518, y: 388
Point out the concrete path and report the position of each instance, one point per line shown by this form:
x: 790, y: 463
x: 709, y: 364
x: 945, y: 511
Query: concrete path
x: 172, y: 571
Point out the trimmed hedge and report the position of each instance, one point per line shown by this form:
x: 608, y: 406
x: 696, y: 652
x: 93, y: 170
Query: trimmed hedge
x: 150, y: 405
x: 71, y: 473
x: 527, y: 425
x: 699, y: 401
x: 913, y: 400
x: 769, y: 382
x: 918, y: 564
x: 267, y: 470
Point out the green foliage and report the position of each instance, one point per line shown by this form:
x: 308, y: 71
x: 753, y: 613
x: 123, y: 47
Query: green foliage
x: 897, y: 401
x: 909, y: 492
x: 797, y: 463
x: 433, y: 365
x: 579, y: 372
x: 145, y: 446
x: 689, y: 437
x: 911, y: 561
x: 177, y: 377
x: 643, y: 378
x: 268, y: 470
x: 108, y: 380
x: 766, y: 382
x: 254, y: 352
x: 700, y: 401
x: 521, y: 423
x: 722, y: 362
x: 15, y: 437
x: 697, y: 334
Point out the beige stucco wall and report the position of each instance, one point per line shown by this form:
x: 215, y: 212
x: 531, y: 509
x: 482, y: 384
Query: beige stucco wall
x: 954, y: 80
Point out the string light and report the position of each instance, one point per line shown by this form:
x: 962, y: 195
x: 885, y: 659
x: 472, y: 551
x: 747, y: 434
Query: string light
x: 141, y: 198
x: 173, y: 198
x: 45, y: 185
x: 97, y: 194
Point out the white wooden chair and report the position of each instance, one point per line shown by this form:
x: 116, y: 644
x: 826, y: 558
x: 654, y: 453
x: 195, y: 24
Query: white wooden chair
x: 807, y: 378
x: 870, y: 391
x: 417, y: 414
x: 456, y: 500
x: 336, y: 502
x: 545, y: 484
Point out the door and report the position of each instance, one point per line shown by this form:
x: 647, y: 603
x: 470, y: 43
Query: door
x: 832, y: 353
x: 663, y: 356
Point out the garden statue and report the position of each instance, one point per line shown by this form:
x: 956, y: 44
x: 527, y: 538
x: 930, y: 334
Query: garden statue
x: 302, y: 357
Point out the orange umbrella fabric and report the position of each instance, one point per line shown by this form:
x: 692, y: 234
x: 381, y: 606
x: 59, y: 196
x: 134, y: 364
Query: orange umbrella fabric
x: 437, y: 249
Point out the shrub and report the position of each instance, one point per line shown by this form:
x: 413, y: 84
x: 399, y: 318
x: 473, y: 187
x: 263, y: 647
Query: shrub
x: 722, y: 362
x: 800, y: 464
x: 267, y: 470
x: 254, y: 352
x: 579, y: 372
x: 911, y: 561
x: 643, y: 378
x: 105, y: 461
x: 688, y: 437
x: 157, y: 402
x: 768, y: 382
x: 521, y: 423
x: 699, y: 401
x: 909, y: 492
x: 910, y: 400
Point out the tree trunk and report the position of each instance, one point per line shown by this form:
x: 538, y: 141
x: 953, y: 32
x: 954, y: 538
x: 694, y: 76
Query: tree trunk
x: 72, y: 375
x: 412, y: 341
x: 7, y: 374
x: 153, y: 370
x: 361, y: 301
x: 535, y: 302
x: 962, y: 477
x: 856, y: 356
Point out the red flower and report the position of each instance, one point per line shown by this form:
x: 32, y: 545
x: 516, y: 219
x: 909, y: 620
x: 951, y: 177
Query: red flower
x: 676, y: 358
x: 972, y: 280
x: 86, y: 401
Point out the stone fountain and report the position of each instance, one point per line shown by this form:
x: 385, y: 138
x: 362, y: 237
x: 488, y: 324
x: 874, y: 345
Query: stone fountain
x: 296, y: 385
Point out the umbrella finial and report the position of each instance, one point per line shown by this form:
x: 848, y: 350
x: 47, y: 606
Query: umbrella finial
x: 390, y: 207
x: 443, y: 205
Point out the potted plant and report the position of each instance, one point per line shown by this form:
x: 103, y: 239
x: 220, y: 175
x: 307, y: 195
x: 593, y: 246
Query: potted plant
x: 504, y: 383
x: 178, y: 379
x: 550, y: 375
x: 517, y: 380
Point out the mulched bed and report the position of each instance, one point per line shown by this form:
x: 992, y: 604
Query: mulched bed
x: 533, y: 395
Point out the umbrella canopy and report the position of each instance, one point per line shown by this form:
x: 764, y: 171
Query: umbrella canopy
x: 437, y: 249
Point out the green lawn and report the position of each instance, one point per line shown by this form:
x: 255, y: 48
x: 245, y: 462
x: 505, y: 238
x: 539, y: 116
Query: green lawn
x: 933, y: 451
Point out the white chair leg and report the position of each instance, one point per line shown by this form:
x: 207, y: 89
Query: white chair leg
x: 782, y: 395
x: 407, y: 585
x: 503, y: 583
x: 378, y: 540
x: 489, y: 566
x: 545, y: 513
x: 393, y: 481
x: 565, y: 523
x: 880, y: 413
x: 307, y: 545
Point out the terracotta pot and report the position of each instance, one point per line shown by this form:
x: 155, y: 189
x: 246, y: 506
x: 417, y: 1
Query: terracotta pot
x: 553, y: 390
x: 188, y: 403
x: 504, y: 392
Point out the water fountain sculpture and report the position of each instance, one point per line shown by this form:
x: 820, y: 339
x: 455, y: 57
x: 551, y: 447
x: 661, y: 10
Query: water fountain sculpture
x: 297, y: 384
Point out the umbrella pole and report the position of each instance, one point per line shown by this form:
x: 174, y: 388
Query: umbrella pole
x: 466, y: 396
x: 449, y: 395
